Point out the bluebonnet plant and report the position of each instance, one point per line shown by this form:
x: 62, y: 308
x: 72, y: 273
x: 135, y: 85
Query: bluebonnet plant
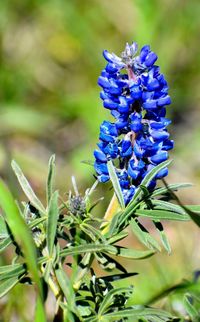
x: 136, y: 94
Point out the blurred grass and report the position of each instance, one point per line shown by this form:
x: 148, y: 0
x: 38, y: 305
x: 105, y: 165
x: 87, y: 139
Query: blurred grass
x: 50, y: 59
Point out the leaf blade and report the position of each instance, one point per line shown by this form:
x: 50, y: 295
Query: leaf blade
x: 50, y: 177
x: 52, y: 220
x: 115, y: 182
x: 27, y: 188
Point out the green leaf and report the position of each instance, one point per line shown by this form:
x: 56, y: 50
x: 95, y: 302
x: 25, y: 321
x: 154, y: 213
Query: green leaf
x: 143, y: 235
x: 88, y: 248
x: 114, y: 224
x: 108, y: 299
x: 115, y: 182
x: 20, y: 232
x: 173, y: 187
x: 193, y: 313
x: 27, y: 188
x: 66, y: 286
x: 161, y: 215
x: 195, y: 208
x: 52, y: 220
x: 7, y: 284
x: 5, y: 243
x: 165, y: 205
x: 138, y: 313
x: 195, y: 216
x: 50, y: 177
x: 9, y: 271
x: 39, y: 311
x: 3, y: 228
x: 36, y: 222
x: 148, y: 178
x: 121, y: 235
x: 133, y: 254
x: 163, y: 236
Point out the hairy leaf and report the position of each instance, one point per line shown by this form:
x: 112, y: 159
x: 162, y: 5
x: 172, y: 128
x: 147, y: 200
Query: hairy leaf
x: 27, y: 188
x: 161, y: 215
x: 50, y: 177
x: 143, y: 235
x: 52, y: 220
x: 115, y: 182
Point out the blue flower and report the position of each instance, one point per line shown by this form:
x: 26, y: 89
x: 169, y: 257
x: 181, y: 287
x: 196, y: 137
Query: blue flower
x: 136, y: 93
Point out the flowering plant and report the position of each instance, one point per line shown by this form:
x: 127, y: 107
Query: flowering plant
x: 66, y: 233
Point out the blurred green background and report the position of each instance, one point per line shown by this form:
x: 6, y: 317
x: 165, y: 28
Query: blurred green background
x: 50, y: 59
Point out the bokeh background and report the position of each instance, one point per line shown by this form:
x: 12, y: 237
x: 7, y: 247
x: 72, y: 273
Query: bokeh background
x: 50, y: 59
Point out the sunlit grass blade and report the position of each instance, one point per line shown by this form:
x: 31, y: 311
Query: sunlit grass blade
x: 27, y: 188
x: 20, y: 232
x: 50, y: 178
x: 52, y: 220
x: 115, y: 182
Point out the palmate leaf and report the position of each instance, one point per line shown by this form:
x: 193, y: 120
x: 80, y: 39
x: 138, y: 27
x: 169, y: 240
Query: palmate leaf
x: 27, y: 188
x: 115, y: 182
